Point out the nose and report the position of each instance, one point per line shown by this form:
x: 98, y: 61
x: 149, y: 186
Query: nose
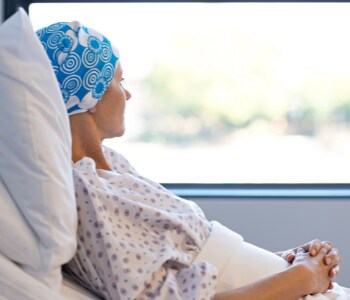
x: 127, y: 94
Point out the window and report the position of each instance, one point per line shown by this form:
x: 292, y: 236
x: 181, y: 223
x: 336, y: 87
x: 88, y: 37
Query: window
x: 229, y: 92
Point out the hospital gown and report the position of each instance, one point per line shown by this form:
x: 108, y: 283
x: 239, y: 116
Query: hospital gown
x: 137, y: 240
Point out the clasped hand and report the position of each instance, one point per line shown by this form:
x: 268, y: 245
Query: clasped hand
x: 313, y: 248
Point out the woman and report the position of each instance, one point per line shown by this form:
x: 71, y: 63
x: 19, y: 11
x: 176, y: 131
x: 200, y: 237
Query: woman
x: 137, y: 240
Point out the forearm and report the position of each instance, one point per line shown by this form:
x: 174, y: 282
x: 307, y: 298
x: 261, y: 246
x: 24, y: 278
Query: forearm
x: 290, y: 284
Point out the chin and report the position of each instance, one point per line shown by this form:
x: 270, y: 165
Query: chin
x: 112, y: 135
x: 120, y: 133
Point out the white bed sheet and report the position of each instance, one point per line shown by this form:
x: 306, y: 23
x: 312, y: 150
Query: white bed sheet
x: 70, y: 290
x: 16, y: 284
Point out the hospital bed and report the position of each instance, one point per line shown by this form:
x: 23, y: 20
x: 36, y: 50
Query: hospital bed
x: 20, y: 277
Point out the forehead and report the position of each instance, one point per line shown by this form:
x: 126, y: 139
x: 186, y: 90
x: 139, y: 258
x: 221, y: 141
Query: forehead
x: 118, y: 70
x: 118, y: 73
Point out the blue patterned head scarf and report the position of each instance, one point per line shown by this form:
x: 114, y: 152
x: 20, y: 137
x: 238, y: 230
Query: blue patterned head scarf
x: 84, y: 62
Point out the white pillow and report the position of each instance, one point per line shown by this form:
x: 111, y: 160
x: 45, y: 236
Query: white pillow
x: 17, y: 240
x: 35, y: 155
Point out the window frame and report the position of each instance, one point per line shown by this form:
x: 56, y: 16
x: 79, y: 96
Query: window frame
x: 230, y: 190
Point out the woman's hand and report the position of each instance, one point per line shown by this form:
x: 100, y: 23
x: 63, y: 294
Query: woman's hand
x: 314, y: 269
x: 307, y: 275
x: 313, y: 248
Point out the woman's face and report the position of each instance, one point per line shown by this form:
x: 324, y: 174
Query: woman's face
x: 109, y: 111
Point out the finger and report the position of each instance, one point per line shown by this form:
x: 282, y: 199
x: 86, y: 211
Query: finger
x: 327, y: 245
x: 330, y: 286
x: 313, y: 247
x: 290, y: 257
x: 332, y: 257
x: 323, y: 252
x: 285, y: 254
x: 333, y: 273
x: 301, y: 250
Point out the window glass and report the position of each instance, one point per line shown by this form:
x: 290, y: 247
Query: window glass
x: 229, y: 92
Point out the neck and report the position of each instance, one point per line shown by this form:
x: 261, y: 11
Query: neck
x: 86, y: 140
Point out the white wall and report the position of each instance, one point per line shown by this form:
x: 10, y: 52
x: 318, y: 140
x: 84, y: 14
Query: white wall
x: 280, y: 224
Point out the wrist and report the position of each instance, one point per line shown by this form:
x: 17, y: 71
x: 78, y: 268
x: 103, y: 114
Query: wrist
x: 304, y: 279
